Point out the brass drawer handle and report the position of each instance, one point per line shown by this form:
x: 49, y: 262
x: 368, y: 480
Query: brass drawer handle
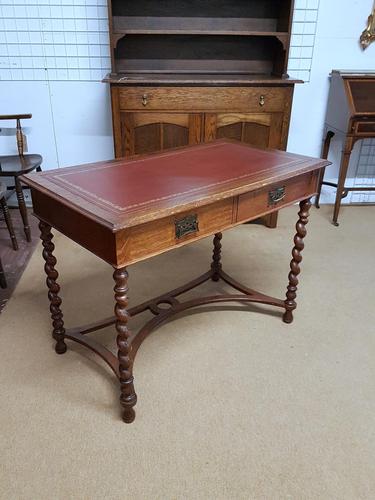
x: 185, y: 226
x: 144, y: 99
x: 276, y: 195
x: 262, y: 100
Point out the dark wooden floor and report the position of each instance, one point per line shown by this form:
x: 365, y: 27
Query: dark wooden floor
x: 15, y: 262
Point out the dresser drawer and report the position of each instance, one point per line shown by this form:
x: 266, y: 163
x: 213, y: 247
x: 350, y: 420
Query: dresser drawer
x: 365, y: 128
x: 252, y: 205
x: 268, y: 99
x: 155, y: 237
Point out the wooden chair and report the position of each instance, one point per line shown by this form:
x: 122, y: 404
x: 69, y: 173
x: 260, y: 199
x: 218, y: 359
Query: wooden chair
x: 16, y: 165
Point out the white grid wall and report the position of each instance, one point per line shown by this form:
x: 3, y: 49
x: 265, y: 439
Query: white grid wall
x: 56, y: 40
x: 303, y: 38
x: 67, y: 40
x: 365, y: 174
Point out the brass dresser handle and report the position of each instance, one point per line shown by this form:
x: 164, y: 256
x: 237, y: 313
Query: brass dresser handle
x: 262, y: 100
x: 276, y: 195
x: 144, y: 99
x: 185, y: 226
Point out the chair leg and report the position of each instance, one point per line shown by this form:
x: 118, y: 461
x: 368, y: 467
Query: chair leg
x: 23, y: 210
x: 8, y: 220
x: 3, y: 281
x: 340, y: 186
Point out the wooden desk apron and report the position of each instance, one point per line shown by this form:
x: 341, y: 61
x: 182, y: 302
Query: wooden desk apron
x: 125, y: 211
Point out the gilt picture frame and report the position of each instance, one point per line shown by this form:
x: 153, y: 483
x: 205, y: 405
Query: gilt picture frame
x: 368, y: 34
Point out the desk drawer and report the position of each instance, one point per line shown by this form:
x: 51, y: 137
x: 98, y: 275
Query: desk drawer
x: 365, y: 128
x: 267, y: 99
x: 155, y: 237
x: 257, y: 203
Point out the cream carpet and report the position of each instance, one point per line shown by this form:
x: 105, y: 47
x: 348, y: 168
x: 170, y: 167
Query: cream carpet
x: 232, y: 404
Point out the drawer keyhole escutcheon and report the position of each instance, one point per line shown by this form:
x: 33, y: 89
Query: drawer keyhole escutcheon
x: 276, y: 195
x: 144, y: 99
x: 185, y: 226
x: 262, y: 100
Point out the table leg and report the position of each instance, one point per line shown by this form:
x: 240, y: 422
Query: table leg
x: 291, y: 293
x: 128, y: 397
x: 216, y: 257
x: 345, y: 160
x: 53, y: 287
x: 326, y: 145
x: 9, y: 223
x: 22, y: 207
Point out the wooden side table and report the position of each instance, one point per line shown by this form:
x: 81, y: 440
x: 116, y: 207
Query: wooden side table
x: 350, y: 112
x: 126, y: 211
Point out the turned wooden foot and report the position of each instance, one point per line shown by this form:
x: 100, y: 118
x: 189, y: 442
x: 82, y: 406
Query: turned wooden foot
x: 216, y: 258
x: 128, y: 416
x: 291, y: 294
x: 58, y: 332
x: 128, y: 397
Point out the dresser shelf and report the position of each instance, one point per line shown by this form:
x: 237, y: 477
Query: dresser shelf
x: 196, y: 26
x: 201, y: 79
x: 200, y: 54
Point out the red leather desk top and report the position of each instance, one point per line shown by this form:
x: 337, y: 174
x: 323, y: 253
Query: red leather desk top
x: 122, y: 193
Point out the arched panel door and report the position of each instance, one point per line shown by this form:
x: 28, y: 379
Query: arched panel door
x: 259, y: 129
x: 144, y: 133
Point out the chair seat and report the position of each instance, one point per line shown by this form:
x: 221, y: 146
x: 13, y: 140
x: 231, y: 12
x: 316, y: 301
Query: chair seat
x: 17, y: 165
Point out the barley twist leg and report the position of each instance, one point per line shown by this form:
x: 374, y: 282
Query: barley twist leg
x: 291, y: 294
x: 53, y: 287
x: 128, y: 398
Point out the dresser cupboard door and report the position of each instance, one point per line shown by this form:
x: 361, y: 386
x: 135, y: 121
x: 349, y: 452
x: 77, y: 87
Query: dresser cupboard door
x: 263, y: 130
x: 144, y: 133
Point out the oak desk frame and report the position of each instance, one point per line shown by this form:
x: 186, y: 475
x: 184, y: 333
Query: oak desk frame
x: 162, y: 225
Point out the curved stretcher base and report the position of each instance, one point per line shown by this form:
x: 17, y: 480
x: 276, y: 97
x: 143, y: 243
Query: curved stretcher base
x: 162, y: 314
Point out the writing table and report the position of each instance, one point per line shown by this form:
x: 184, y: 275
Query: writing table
x: 125, y: 211
x: 351, y: 117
